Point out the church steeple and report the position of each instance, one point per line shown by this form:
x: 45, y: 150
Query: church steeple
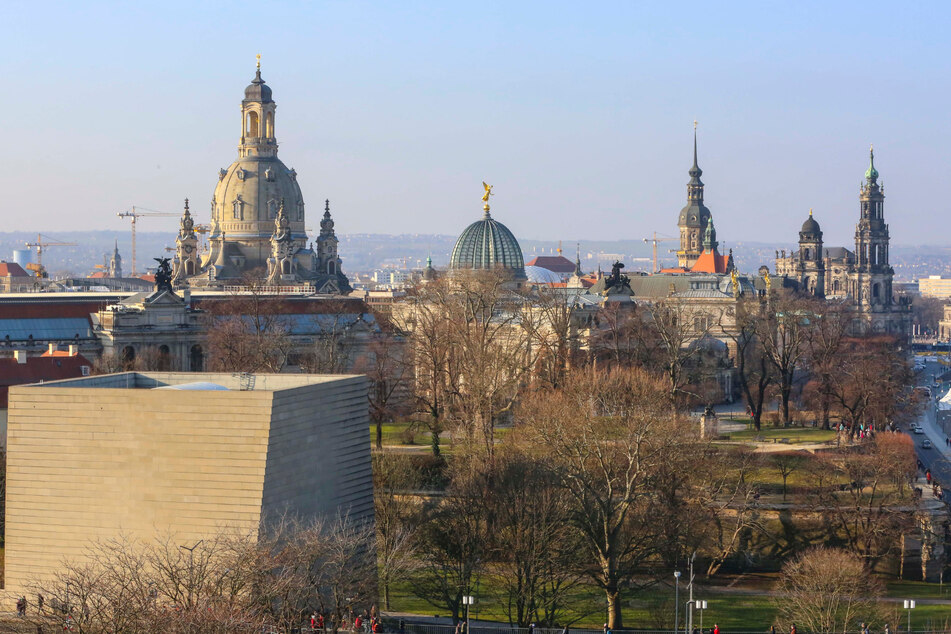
x: 694, y: 217
x: 695, y: 185
x: 257, y: 119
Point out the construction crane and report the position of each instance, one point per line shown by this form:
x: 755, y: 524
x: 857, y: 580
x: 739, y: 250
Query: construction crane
x: 654, y: 242
x: 139, y: 212
x: 40, y: 244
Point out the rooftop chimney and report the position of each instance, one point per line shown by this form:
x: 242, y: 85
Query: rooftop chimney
x: 73, y: 350
x: 53, y: 348
x: 20, y: 356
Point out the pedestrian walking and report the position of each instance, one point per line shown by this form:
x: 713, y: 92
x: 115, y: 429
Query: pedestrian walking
x: 402, y: 626
x: 531, y: 628
x: 716, y: 629
x: 772, y: 629
x: 792, y: 630
x: 928, y: 475
x: 887, y: 629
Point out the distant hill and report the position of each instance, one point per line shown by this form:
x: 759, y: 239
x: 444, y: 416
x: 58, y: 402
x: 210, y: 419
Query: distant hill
x: 363, y: 252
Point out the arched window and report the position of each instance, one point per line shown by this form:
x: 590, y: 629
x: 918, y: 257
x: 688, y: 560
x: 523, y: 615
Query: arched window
x: 835, y: 286
x: 269, y: 125
x: 189, y: 267
x: 286, y: 267
x: 253, y: 124
x: 875, y: 291
x: 807, y: 254
x: 196, y: 360
x: 332, y: 267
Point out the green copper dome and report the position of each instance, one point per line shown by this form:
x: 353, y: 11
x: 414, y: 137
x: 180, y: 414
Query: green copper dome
x: 488, y: 244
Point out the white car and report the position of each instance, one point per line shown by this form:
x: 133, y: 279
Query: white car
x: 919, y: 429
x: 926, y: 444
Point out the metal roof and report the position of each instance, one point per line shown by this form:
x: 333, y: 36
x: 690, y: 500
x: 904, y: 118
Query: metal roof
x: 47, y: 328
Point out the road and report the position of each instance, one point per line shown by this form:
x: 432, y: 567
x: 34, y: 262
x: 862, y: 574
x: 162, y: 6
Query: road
x: 938, y: 458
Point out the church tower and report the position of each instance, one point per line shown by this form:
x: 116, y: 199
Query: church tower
x: 811, y: 267
x: 115, y: 263
x: 257, y: 119
x: 186, y: 247
x: 694, y: 217
x: 871, y: 283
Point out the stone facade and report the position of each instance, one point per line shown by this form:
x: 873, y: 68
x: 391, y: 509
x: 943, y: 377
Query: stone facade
x: 863, y: 277
x: 99, y: 457
x: 257, y: 217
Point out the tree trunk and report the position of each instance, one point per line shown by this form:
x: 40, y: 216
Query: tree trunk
x: 379, y: 438
x: 613, y: 596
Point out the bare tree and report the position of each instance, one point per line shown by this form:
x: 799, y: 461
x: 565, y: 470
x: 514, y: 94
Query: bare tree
x: 248, y: 333
x: 870, y: 513
x: 532, y: 541
x: 753, y: 370
x: 607, y: 436
x: 396, y: 519
x: 452, y: 541
x: 783, y: 334
x: 827, y: 590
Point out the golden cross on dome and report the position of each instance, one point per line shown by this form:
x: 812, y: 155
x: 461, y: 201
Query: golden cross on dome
x: 694, y: 124
x: 259, y: 60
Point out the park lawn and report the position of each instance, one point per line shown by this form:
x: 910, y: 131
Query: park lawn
x: 394, y: 433
x: 795, y: 435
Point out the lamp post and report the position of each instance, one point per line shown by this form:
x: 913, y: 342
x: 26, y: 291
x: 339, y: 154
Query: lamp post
x: 676, y: 601
x: 191, y: 568
x: 468, y: 600
x: 701, y: 605
x: 909, y: 605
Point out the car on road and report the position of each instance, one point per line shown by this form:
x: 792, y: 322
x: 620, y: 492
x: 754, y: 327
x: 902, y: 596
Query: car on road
x: 919, y: 429
x: 926, y: 444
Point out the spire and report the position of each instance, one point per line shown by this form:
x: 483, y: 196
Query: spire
x: 578, y: 270
x: 871, y: 174
x: 695, y: 171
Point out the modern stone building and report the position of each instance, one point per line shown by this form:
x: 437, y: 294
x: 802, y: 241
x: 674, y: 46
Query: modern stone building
x: 177, y: 454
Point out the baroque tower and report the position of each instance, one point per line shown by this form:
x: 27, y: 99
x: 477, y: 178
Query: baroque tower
x: 871, y: 283
x: 811, y: 269
x: 694, y: 217
x: 186, y: 247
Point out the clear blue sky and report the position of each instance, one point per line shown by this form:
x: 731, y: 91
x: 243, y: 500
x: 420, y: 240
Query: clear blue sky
x: 579, y: 113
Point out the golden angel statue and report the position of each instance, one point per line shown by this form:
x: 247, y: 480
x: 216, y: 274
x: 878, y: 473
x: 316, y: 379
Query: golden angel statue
x: 488, y: 191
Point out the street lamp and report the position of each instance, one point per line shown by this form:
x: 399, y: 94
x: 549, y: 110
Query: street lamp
x: 468, y: 600
x: 676, y: 601
x: 701, y: 605
x: 191, y: 566
x: 909, y: 605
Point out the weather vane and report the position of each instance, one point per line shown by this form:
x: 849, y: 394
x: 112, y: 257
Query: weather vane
x: 485, y: 196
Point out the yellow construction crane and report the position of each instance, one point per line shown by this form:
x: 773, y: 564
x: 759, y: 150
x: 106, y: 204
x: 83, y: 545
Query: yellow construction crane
x: 139, y: 212
x: 654, y: 242
x: 43, y: 242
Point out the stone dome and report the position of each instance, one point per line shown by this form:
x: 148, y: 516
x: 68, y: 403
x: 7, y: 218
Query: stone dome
x: 257, y: 90
x: 488, y: 244
x: 694, y: 215
x: 810, y: 225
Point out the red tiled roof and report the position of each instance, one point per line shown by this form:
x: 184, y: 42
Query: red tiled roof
x: 12, y: 269
x: 554, y: 263
x: 711, y: 262
x: 38, y: 369
x: 99, y: 275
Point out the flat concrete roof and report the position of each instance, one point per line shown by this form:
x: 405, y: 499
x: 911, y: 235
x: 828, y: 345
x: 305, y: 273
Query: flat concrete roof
x: 228, y: 381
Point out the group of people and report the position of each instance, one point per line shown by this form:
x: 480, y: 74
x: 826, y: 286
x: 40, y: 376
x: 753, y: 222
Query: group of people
x: 365, y: 623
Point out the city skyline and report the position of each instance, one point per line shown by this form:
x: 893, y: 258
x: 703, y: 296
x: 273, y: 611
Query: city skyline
x: 581, y: 119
